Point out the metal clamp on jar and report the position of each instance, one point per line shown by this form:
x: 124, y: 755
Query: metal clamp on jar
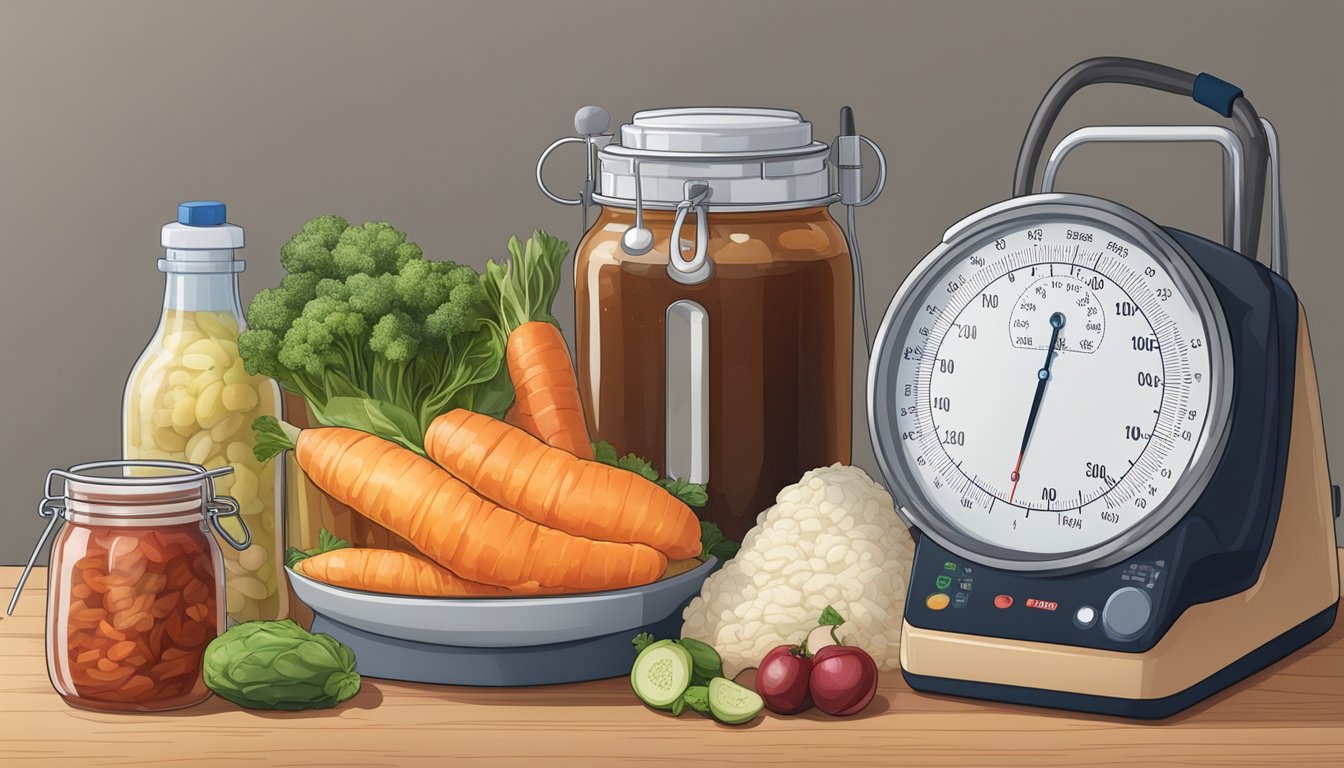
x: 727, y: 359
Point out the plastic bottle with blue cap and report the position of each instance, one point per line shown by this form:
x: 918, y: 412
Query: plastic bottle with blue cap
x: 190, y: 398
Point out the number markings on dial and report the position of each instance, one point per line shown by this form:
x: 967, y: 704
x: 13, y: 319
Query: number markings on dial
x: 1011, y: 264
x: 944, y: 324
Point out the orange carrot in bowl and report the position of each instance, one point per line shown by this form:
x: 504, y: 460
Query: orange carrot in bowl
x: 555, y: 489
x: 521, y: 292
x: 547, y: 394
x: 399, y: 573
x: 471, y: 536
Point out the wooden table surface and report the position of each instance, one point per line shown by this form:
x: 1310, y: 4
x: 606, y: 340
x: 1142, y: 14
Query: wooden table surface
x: 1291, y: 713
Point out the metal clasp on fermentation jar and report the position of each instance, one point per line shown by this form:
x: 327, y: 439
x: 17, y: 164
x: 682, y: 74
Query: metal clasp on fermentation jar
x: 226, y: 507
x: 699, y: 268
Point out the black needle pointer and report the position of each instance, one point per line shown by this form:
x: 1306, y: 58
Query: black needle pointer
x: 1042, y: 376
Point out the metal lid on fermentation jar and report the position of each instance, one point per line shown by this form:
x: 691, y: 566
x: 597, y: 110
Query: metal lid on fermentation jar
x: 753, y: 159
x: 135, y: 493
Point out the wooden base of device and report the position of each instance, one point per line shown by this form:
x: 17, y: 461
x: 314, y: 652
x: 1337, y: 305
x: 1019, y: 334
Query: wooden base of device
x: 1212, y: 645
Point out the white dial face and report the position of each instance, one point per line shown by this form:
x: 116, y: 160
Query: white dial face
x: 1054, y: 386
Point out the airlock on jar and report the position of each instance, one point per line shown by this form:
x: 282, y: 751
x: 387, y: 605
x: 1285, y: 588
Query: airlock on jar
x: 135, y: 584
x: 726, y: 359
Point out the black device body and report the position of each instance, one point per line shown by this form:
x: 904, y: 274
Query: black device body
x: 1217, y: 549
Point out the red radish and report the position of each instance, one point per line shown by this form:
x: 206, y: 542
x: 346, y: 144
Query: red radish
x: 782, y: 680
x: 843, y: 680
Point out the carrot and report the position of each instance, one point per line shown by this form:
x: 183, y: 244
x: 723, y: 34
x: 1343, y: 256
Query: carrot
x: 476, y: 539
x: 513, y: 417
x: 399, y: 573
x: 553, y: 488
x: 547, y: 394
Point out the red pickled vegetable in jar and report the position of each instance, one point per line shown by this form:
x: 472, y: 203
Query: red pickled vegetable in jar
x: 135, y: 585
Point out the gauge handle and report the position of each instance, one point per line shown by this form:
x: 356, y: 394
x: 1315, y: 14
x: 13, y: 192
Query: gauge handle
x: 1216, y: 94
x: 1234, y: 160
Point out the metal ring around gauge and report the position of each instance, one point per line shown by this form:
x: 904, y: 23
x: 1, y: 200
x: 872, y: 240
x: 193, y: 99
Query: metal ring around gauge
x: 982, y: 227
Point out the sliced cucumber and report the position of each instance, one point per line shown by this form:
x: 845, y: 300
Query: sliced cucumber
x: 661, y: 673
x: 705, y: 661
x: 731, y: 703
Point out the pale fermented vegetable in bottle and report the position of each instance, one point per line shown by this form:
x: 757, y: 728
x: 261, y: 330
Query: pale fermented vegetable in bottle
x: 190, y: 399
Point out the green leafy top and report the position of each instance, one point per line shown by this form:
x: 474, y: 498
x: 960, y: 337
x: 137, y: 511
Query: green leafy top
x: 713, y: 543
x: 326, y: 542
x: 831, y: 618
x: 523, y: 289
x: 690, y: 494
x: 376, y: 337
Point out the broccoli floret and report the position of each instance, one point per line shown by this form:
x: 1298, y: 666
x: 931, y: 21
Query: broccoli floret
x: 425, y: 286
x: 270, y: 311
x: 329, y: 228
x: 373, y: 297
x: 460, y: 314
x: 309, y: 251
x: 260, y: 350
x: 336, y: 316
x: 307, y: 347
x: 333, y: 289
x: 396, y: 337
x: 373, y: 249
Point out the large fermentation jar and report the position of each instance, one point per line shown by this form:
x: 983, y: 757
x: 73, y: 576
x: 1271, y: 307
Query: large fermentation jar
x: 726, y: 360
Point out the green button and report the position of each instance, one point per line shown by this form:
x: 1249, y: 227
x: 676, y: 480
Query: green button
x: 943, y: 582
x: 949, y: 566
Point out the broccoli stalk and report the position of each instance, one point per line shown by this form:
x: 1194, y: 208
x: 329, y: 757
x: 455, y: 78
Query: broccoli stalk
x: 376, y: 337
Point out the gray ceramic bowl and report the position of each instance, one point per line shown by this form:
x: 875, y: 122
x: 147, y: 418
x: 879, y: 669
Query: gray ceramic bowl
x: 499, y: 641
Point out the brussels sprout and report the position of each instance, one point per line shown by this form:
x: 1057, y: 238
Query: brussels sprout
x: 279, y: 665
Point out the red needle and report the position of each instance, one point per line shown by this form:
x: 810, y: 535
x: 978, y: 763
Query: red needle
x: 1015, y: 477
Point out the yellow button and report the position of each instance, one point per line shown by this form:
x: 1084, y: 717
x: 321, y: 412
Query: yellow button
x: 937, y: 601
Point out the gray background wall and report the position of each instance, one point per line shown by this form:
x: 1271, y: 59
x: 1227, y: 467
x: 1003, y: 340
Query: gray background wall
x: 431, y: 115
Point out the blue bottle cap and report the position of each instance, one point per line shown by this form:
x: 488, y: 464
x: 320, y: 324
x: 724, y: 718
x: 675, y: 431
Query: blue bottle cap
x: 202, y: 213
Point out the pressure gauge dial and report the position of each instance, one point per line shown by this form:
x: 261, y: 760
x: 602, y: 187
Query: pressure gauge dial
x: 1050, y: 387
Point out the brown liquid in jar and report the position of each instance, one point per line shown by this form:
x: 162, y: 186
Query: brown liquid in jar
x: 780, y: 342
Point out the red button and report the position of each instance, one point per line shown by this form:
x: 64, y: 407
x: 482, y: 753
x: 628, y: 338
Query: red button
x: 1003, y: 601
